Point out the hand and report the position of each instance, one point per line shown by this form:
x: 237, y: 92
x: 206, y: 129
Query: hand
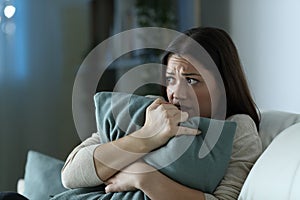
x: 130, y: 178
x: 161, y: 124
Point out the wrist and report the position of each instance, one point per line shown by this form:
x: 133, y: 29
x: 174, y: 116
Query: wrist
x: 146, y: 138
x: 152, y: 137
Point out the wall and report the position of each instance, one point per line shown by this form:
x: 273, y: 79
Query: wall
x: 37, y: 69
x: 267, y: 36
x: 38, y: 65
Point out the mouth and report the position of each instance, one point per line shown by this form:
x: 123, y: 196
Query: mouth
x: 182, y: 107
x: 178, y: 106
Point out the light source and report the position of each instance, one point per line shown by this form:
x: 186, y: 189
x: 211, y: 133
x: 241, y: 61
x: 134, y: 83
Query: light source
x: 9, y: 11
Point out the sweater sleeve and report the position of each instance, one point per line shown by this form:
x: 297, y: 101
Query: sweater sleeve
x: 246, y: 149
x: 79, y: 169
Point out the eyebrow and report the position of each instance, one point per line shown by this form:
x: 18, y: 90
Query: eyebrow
x: 185, y: 74
x: 190, y: 74
x: 171, y: 73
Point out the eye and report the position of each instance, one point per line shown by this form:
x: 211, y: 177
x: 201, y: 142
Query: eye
x: 170, y: 80
x: 192, y: 81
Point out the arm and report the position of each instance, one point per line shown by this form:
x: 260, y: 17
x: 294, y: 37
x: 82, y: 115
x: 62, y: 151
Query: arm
x: 159, y: 187
x: 83, y: 163
x: 166, y: 188
x: 79, y: 170
x: 154, y: 184
x: 246, y: 149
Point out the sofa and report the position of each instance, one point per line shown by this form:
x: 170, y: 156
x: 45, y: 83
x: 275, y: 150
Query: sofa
x: 275, y: 175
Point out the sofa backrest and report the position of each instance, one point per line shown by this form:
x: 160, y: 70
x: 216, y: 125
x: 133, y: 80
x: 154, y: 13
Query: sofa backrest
x: 274, y: 122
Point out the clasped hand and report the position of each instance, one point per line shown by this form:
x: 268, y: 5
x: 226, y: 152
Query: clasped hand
x: 162, y: 123
x: 130, y: 178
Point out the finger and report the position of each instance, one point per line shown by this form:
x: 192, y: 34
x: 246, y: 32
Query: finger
x: 169, y: 112
x: 187, y: 131
x: 169, y: 106
x: 157, y: 102
x: 174, y: 114
x: 109, y: 188
x: 181, y: 116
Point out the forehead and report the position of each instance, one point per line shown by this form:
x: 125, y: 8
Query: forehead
x: 179, y: 63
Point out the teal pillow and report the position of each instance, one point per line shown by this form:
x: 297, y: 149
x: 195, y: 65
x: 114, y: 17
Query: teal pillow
x: 42, y: 176
x: 185, y: 159
x: 198, y: 162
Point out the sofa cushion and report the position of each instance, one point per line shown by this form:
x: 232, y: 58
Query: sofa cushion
x: 274, y: 122
x: 42, y: 176
x: 276, y: 174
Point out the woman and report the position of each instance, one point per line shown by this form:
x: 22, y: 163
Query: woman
x: 191, y: 91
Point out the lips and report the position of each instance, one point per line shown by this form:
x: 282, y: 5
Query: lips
x: 177, y: 105
x: 182, y: 107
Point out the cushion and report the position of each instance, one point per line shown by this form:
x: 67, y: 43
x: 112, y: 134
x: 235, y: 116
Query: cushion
x: 186, y: 159
x: 20, y: 186
x: 274, y: 122
x: 42, y: 176
x: 276, y: 174
x: 198, y: 162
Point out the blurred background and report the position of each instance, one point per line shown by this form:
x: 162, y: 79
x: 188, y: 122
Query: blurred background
x: 44, y: 42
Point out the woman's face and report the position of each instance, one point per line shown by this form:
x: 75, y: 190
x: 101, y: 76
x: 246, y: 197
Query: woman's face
x: 186, y: 87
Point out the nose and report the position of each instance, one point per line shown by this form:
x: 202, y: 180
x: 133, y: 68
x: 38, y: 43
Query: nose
x: 179, y: 91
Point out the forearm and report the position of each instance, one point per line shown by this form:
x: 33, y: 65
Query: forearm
x: 111, y: 157
x: 160, y: 187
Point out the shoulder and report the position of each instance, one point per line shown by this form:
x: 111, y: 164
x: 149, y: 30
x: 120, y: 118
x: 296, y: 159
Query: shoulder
x: 245, y: 124
x: 242, y: 120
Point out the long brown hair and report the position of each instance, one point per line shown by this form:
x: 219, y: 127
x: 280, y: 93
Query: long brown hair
x: 223, y: 52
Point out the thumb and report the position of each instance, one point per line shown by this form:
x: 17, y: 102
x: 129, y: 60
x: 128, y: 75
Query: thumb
x: 183, y: 116
x: 187, y: 131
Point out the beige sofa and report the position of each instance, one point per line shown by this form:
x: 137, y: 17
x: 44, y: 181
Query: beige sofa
x: 276, y: 174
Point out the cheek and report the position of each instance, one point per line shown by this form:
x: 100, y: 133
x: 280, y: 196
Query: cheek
x: 212, y: 95
x: 203, y: 97
x: 169, y: 93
